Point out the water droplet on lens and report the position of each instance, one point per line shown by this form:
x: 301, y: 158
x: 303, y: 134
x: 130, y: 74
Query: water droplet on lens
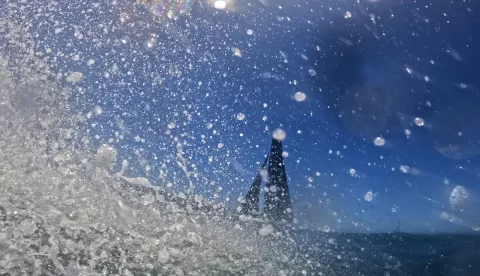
x: 379, y: 141
x: 368, y: 196
x: 279, y: 134
x: 419, y: 121
x: 300, y: 96
x: 240, y: 116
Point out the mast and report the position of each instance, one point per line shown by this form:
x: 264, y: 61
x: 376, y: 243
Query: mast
x: 252, y: 198
x: 277, y: 203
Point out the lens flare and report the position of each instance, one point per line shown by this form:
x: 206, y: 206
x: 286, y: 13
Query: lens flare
x: 168, y: 8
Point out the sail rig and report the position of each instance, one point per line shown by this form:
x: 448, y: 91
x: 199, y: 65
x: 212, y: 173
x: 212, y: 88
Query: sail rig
x: 277, y: 206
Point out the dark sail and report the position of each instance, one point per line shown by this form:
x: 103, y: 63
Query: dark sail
x: 252, y: 198
x: 277, y: 204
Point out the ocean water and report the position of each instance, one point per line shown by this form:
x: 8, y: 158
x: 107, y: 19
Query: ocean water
x: 391, y: 253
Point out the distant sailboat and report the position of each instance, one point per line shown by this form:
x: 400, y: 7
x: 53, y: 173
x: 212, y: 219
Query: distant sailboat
x: 277, y: 203
x: 251, y: 205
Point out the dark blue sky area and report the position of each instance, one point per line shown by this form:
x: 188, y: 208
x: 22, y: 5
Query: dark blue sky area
x: 367, y: 70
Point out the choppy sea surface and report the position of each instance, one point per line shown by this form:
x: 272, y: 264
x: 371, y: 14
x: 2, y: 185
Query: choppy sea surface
x: 392, y: 253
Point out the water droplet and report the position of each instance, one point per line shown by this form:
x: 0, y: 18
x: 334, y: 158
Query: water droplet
x: 379, y: 142
x: 300, y: 96
x: 419, y: 121
x: 97, y: 110
x: 106, y: 156
x: 74, y: 77
x: 458, y: 198
x: 404, y: 168
x: 368, y: 196
x: 236, y: 52
x: 266, y: 230
x: 28, y: 226
x: 279, y: 134
x: 240, y: 116
x: 151, y: 42
x: 125, y: 39
x: 163, y: 257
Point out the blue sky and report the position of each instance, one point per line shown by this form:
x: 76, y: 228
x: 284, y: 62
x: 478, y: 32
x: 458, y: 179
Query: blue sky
x: 392, y: 62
